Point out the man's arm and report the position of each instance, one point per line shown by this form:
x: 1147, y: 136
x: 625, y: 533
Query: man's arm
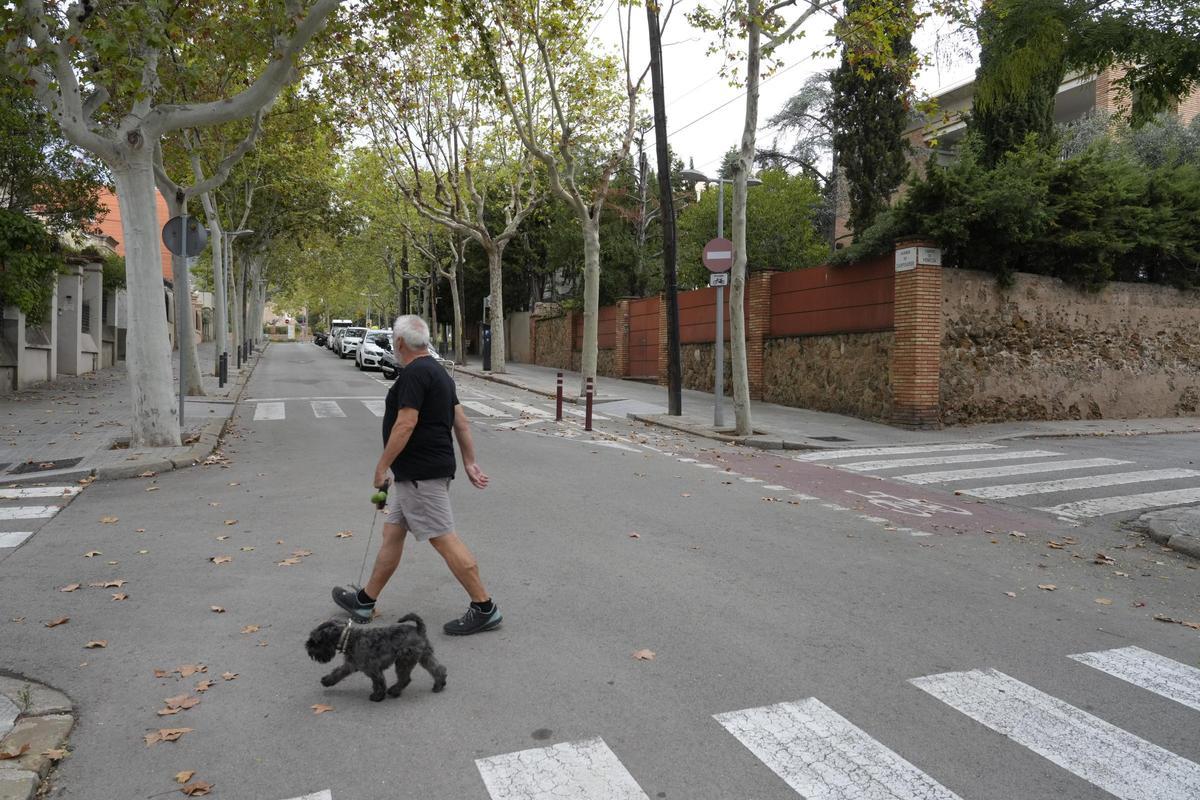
x: 406, y: 420
x: 462, y: 432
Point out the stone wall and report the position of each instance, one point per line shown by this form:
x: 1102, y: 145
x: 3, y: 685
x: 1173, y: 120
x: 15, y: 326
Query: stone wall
x: 1042, y: 350
x: 697, y: 367
x: 553, y: 347
x: 606, y: 362
x: 846, y: 373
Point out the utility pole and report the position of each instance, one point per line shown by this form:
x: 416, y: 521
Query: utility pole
x: 667, y: 204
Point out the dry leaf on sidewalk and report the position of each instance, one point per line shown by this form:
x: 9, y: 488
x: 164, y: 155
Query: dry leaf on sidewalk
x: 185, y: 776
x: 1104, y: 601
x: 54, y: 623
x: 231, y: 522
x: 1049, y: 587
x: 187, y: 670
x: 56, y: 754
x: 165, y: 735
x: 205, y: 685
x: 217, y: 609
x: 344, y: 534
x: 92, y: 554
x: 109, y: 520
x: 197, y: 789
x: 219, y: 560
x: 321, y: 708
x: 228, y: 675
x: 644, y: 655
x: 250, y: 629
x: 70, y: 587
x: 6, y: 755
x: 95, y: 644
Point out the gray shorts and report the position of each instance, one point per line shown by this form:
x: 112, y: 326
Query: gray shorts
x: 421, y: 507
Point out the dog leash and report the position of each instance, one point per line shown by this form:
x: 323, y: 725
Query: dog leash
x: 367, y: 552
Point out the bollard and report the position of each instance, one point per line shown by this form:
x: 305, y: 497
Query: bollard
x: 222, y: 363
x: 587, y: 420
x: 239, y: 357
x: 558, y: 400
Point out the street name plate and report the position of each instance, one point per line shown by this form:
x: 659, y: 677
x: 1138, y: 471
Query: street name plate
x: 906, y: 259
x: 929, y: 256
x: 718, y: 279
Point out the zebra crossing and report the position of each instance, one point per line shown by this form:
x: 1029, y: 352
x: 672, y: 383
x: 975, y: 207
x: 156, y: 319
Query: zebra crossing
x: 822, y: 755
x: 509, y: 413
x: 988, y: 471
x: 24, y: 509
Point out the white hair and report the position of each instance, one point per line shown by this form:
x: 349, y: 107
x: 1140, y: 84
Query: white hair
x: 412, y: 330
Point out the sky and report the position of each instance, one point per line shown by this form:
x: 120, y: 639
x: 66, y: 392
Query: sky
x: 705, y: 114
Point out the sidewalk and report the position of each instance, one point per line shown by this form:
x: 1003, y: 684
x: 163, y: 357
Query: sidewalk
x: 78, y: 426
x: 782, y: 427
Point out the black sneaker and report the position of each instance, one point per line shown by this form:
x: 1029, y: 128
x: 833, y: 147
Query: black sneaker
x: 348, y: 599
x: 474, y: 621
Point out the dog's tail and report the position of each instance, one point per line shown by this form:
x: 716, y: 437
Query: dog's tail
x: 420, y: 623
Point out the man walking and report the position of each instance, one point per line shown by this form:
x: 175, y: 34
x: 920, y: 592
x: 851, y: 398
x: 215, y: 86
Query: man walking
x: 416, y: 468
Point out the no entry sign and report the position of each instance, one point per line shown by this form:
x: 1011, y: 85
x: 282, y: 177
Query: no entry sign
x: 718, y: 255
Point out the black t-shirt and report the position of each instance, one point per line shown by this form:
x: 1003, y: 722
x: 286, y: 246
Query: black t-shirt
x: 425, y: 386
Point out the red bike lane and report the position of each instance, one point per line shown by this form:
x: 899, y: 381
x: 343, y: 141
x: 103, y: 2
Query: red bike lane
x: 903, y: 504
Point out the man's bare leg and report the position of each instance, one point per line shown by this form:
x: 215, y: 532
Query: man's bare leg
x: 462, y: 563
x: 388, y: 558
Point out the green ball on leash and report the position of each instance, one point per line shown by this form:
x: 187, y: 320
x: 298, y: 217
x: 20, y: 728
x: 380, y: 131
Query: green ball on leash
x: 379, y: 497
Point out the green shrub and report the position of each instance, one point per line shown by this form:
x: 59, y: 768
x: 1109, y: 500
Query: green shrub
x: 30, y: 261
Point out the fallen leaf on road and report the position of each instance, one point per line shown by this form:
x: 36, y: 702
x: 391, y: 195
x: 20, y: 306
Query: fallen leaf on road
x: 182, y: 701
x: 634, y: 535
x: 1049, y: 587
x: 165, y: 735
x: 1010, y: 594
x: 56, y: 754
x: 644, y: 655
x: 236, y: 483
x: 217, y: 609
x: 95, y: 644
x: 185, y: 776
x: 1101, y: 558
x: 120, y: 596
x: 70, y: 587
x: 1120, y: 574
x: 147, y: 474
x: 321, y: 708
x: 167, y: 712
x: 250, y: 629
x: 301, y: 553
x: 1104, y: 601
x: 197, y: 789
x: 92, y: 554
x: 142, y: 552
x: 113, y: 563
x: 113, y: 584
x: 205, y: 685
x: 6, y: 755
x: 187, y: 670
x: 109, y: 520
x: 54, y: 623
x: 1054, y: 545
x: 686, y: 494
x: 247, y: 549
x: 1017, y: 534
x: 152, y: 489
x: 219, y: 560
x: 344, y: 534
x: 231, y: 522
x: 228, y: 676
x: 161, y: 673
x: 214, y: 504
x: 279, y: 541
x: 222, y: 538
x: 139, y: 530
x: 288, y: 562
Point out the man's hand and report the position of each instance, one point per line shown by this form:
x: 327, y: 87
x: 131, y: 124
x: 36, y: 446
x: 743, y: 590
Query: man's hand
x: 381, y: 480
x: 478, y: 479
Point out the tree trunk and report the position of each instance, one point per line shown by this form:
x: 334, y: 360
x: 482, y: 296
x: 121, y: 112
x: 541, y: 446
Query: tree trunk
x: 496, y: 316
x: 217, y: 250
x: 154, y: 420
x: 460, y: 269
x: 192, y: 382
x: 238, y: 304
x: 591, y: 301
x: 741, y: 171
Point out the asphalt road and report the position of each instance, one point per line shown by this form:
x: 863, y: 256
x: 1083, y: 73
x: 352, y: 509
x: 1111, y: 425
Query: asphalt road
x: 808, y: 634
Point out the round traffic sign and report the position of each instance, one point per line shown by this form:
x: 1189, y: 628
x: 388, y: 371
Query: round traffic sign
x: 718, y: 255
x: 197, y: 236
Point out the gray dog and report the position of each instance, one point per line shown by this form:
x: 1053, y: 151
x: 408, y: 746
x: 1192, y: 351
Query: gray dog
x: 372, y: 650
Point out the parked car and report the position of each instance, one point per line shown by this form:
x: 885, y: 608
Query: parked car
x: 348, y: 341
x: 320, y: 338
x: 336, y: 326
x: 374, y: 345
x: 390, y: 366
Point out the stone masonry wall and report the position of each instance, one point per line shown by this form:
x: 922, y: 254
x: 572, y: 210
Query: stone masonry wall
x: 554, y: 342
x: 1042, y: 350
x: 697, y: 367
x: 846, y: 373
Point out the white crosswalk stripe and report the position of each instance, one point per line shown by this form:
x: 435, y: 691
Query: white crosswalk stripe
x: 1008, y: 455
x: 575, y: 412
x: 1009, y: 470
x: 831, y: 455
x: 583, y: 770
x: 1155, y: 673
x: 525, y: 408
x: 13, y: 538
x: 26, y: 492
x: 484, y: 409
x: 1082, y: 509
x: 28, y: 512
x: 270, y: 411
x: 326, y: 408
x: 1086, y: 482
x: 376, y: 407
x: 823, y: 756
x: 1104, y: 755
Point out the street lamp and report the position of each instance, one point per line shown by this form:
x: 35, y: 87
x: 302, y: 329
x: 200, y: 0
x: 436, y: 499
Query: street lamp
x: 719, y: 379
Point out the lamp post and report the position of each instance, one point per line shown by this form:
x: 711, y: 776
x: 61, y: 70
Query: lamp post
x: 719, y: 367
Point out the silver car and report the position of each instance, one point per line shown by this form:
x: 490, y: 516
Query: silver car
x: 348, y: 341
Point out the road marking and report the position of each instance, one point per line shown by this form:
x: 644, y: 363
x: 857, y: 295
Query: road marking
x: 319, y: 397
x: 618, y: 446
x: 1008, y: 470
x: 28, y: 512
x: 526, y: 408
x: 774, y: 488
x: 376, y: 407
x: 828, y: 455
x: 1102, y: 754
x: 13, y: 538
x: 707, y: 466
x: 483, y: 408
x: 1152, y: 672
x: 869, y: 466
x: 823, y: 756
x: 269, y: 411
x: 584, y: 770
x: 26, y: 492
x: 575, y: 412
x: 744, y: 479
x: 322, y: 795
x: 326, y: 408
x: 1128, y: 502
x: 520, y: 423
x: 1086, y: 482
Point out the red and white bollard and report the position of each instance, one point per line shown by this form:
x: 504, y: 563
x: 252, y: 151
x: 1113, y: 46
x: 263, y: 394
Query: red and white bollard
x: 558, y: 400
x: 587, y: 420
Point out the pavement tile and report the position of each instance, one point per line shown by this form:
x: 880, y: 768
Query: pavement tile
x: 18, y: 784
x: 41, y: 699
x: 41, y: 734
x: 9, y: 711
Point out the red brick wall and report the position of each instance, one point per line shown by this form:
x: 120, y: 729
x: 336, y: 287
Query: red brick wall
x: 643, y: 337
x: 916, y: 354
x: 855, y: 298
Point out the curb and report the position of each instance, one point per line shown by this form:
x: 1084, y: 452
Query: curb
x: 34, y: 716
x: 1168, y: 532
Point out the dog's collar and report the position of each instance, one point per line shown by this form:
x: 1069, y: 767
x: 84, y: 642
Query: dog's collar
x: 345, y: 638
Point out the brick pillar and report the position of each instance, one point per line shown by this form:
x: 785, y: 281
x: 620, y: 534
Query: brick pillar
x: 662, y: 340
x: 621, y: 345
x: 758, y: 327
x: 917, y: 353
